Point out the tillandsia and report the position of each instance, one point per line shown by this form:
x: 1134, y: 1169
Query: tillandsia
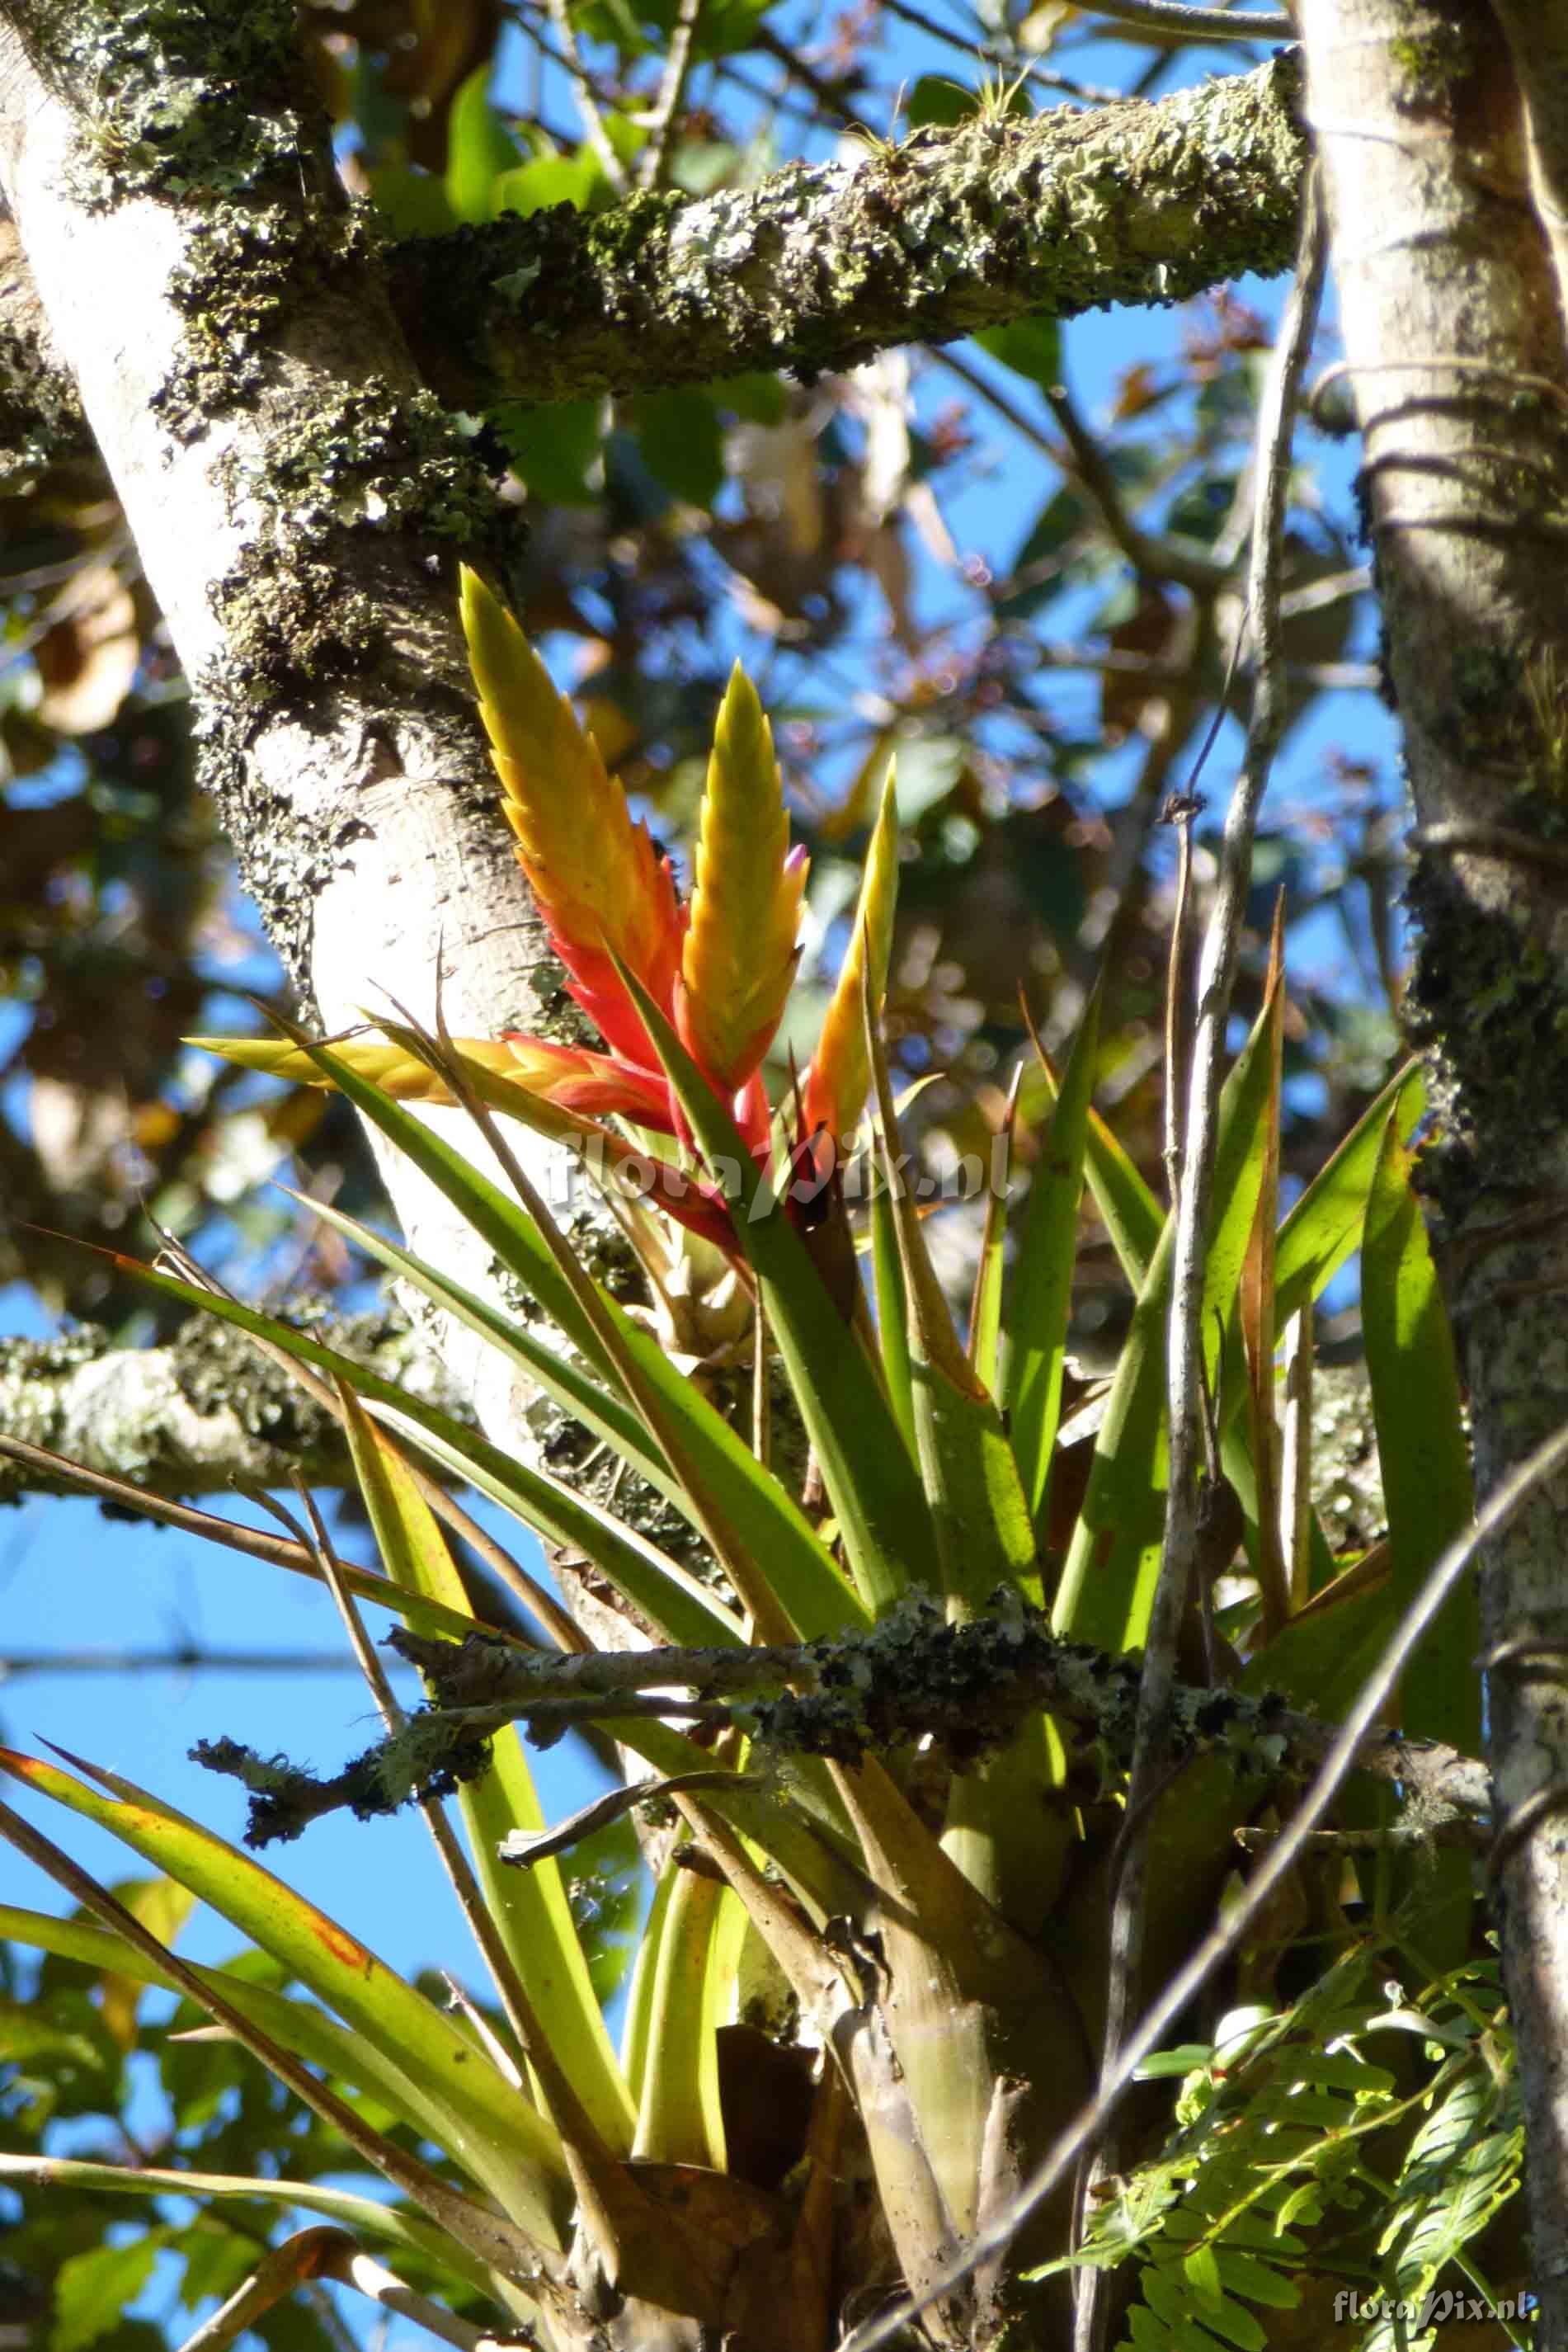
x: 719, y: 965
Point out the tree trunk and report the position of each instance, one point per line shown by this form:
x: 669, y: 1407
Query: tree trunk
x: 291, y: 486
x: 1445, y: 142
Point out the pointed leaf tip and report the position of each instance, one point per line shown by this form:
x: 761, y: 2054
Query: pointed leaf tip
x: 598, y: 879
x: 840, y: 1077
x: 739, y: 953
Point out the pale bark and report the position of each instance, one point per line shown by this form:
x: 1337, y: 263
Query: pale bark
x: 289, y: 482
x: 1441, y: 185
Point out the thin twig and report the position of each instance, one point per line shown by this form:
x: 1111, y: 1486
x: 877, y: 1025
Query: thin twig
x: 1150, y: 553
x: 1224, y: 1939
x: 185, y: 1659
x: 651, y: 162
x: 1178, y: 23
x: 610, y: 163
x: 1178, y: 810
x: 829, y: 98
x: 1217, y: 978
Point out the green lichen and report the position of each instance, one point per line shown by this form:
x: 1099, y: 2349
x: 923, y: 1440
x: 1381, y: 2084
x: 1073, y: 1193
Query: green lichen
x: 287, y: 621
x: 1428, y: 60
x: 179, y: 102
x: 385, y: 460
x: 618, y: 238
x: 246, y: 267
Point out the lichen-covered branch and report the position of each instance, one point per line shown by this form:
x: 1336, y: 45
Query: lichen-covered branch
x: 965, y: 1685
x: 198, y: 1416
x: 821, y: 265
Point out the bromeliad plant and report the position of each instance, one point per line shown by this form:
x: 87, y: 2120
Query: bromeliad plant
x: 717, y: 968
x: 871, y: 1987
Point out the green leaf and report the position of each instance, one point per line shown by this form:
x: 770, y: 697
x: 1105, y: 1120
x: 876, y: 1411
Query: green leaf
x: 1242, y: 2274
x: 682, y: 441
x: 1324, y: 1229
x: 478, y: 149
x: 1421, y: 1447
x: 891, y: 1314
x: 397, y: 2224
x: 548, y: 179
x: 984, y: 1539
x: 1168, y: 2298
x: 668, y: 1593
x: 298, y: 2026
x: 578, y: 1392
x: 679, y: 2119
x: 713, y: 1472
x: 1041, y: 1291
x: 1202, y: 2274
x: 414, y: 202
x: 1030, y: 347
x: 936, y: 99
x: 528, y: 1907
x: 675, y: 1601
x: 870, y: 1481
x: 757, y: 398
x: 556, y: 446
x: 91, y: 2290
x: 1113, y: 1562
x: 1131, y: 1214
x: 500, y: 2139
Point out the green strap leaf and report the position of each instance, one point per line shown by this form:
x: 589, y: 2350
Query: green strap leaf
x: 1041, y: 1294
x: 1113, y: 1562
x: 495, y: 2134
x: 1421, y: 1447
x: 870, y: 1481
x: 527, y: 1908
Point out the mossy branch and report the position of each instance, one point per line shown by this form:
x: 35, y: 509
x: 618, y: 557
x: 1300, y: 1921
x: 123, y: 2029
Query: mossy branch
x: 819, y: 266
x: 203, y: 1415
x: 966, y: 1685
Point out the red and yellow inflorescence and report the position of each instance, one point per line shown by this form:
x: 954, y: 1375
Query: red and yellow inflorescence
x: 719, y: 966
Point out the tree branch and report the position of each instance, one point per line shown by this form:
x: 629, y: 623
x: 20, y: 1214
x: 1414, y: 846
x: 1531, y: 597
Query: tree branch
x: 822, y: 265
x: 967, y: 1686
x: 203, y: 1414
